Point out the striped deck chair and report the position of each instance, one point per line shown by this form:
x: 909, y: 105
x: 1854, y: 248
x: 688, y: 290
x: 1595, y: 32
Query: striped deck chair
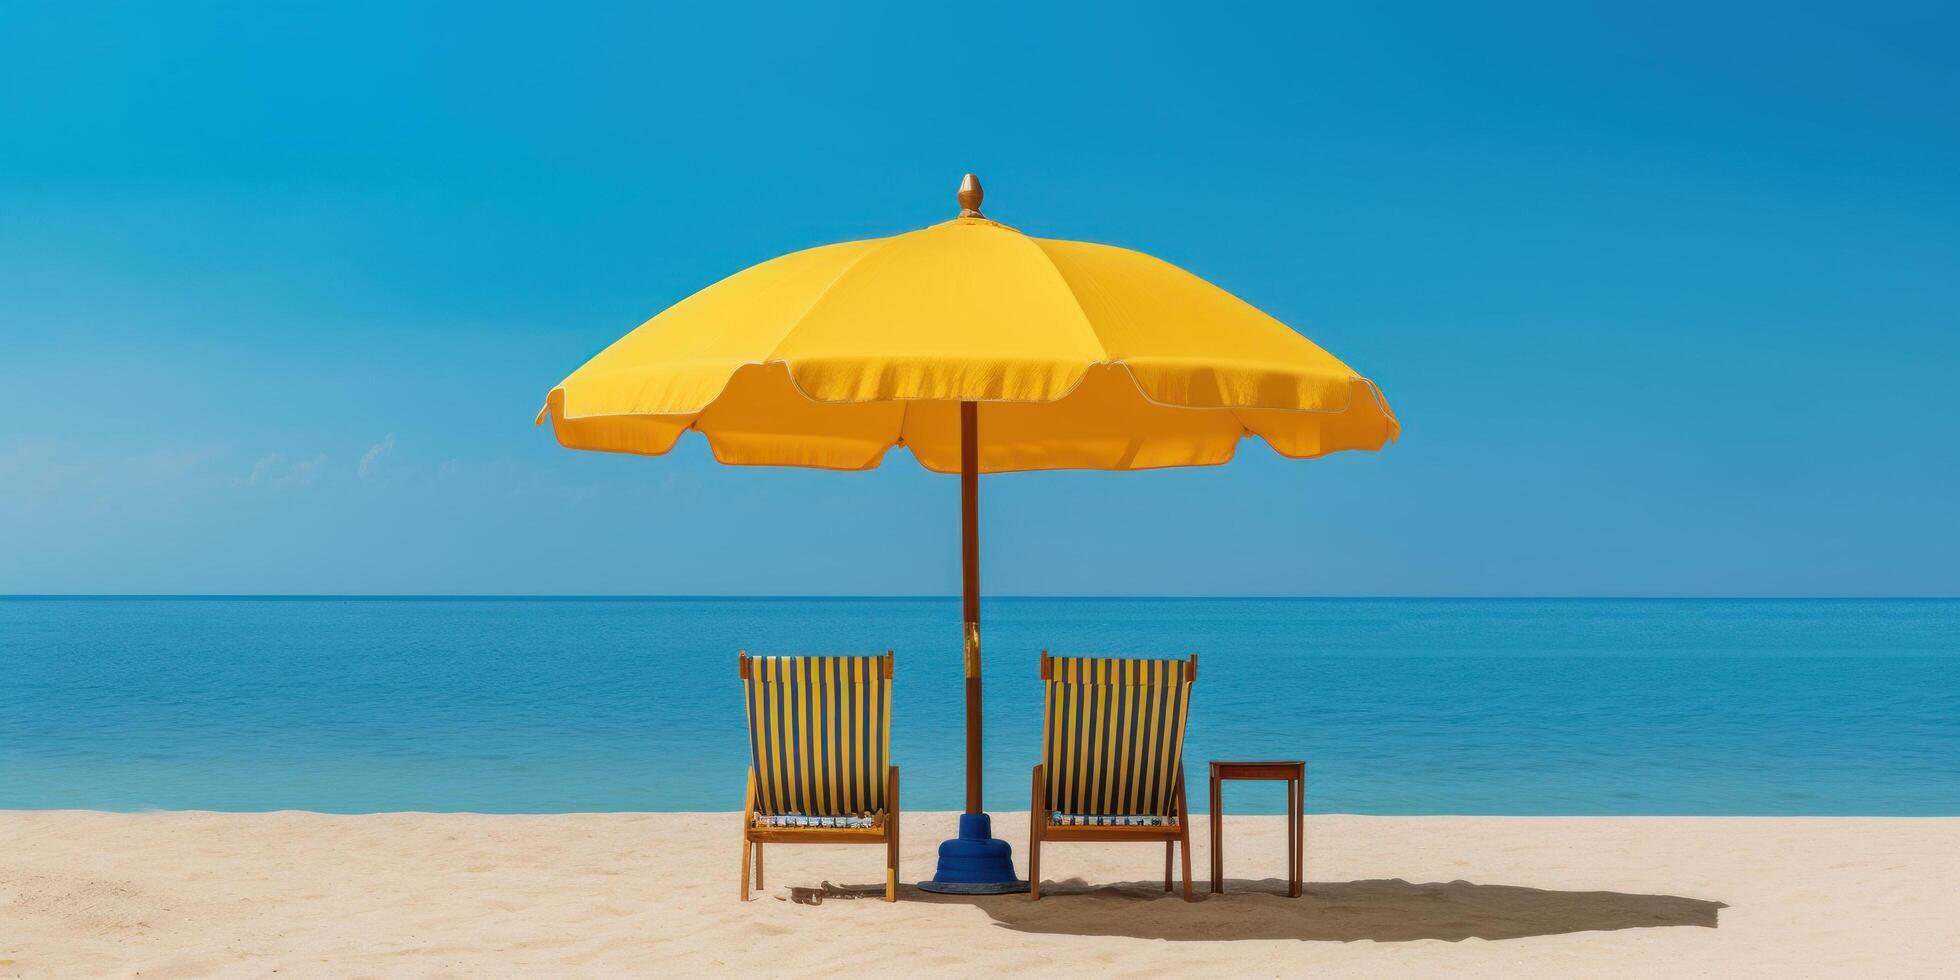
x: 1112, y: 757
x: 820, y: 737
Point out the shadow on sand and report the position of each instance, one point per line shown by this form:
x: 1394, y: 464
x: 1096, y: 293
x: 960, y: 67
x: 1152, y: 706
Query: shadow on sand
x: 848, y: 893
x: 1382, y: 910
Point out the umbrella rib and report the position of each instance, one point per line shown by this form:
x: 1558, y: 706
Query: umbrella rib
x: 1082, y: 315
x: 817, y: 300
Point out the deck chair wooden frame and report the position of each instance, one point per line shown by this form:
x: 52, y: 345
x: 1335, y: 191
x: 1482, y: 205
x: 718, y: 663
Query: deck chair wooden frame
x: 884, y: 821
x: 1175, y: 832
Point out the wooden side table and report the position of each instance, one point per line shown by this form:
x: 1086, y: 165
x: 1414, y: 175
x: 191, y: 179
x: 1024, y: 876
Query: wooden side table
x: 1295, y: 775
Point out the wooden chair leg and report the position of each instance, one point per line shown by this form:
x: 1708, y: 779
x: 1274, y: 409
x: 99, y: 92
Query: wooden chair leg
x: 748, y: 820
x: 891, y: 861
x: 1037, y: 813
x: 1186, y: 850
x: 758, y: 865
x: 1170, y: 848
x: 891, y: 840
x: 1184, y: 835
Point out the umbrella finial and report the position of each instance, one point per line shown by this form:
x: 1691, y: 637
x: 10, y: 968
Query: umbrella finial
x: 970, y: 194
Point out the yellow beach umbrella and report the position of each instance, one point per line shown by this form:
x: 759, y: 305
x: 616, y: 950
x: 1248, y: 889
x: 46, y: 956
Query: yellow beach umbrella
x: 981, y: 350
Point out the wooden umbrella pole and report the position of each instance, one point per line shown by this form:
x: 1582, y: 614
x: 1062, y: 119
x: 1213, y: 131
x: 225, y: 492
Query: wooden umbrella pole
x: 970, y: 595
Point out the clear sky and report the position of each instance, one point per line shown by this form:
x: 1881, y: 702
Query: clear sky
x: 1666, y: 296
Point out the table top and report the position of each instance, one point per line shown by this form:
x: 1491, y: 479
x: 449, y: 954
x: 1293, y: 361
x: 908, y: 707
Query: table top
x: 1281, y: 769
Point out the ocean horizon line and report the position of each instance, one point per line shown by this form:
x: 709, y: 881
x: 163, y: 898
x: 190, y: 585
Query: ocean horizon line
x: 921, y: 597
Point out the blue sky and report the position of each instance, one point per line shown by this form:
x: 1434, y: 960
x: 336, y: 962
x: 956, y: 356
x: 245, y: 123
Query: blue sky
x: 1666, y: 296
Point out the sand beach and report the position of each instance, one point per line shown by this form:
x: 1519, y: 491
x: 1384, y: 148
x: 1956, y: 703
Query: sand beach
x: 183, y: 894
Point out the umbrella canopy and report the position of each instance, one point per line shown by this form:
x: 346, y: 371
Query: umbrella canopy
x: 1081, y: 356
x: 982, y: 350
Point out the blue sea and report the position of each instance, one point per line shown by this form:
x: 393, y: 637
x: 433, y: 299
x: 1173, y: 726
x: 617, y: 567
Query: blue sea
x: 1405, y: 706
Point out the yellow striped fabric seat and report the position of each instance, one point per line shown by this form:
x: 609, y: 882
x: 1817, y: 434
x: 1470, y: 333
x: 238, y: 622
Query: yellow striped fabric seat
x: 1113, y: 739
x: 820, y: 735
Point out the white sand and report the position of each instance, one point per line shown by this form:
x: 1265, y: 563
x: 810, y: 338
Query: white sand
x: 191, y: 894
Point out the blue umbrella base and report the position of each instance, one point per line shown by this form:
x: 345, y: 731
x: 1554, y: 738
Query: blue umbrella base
x: 975, y: 862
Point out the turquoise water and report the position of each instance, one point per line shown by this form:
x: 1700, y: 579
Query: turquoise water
x: 1399, y: 706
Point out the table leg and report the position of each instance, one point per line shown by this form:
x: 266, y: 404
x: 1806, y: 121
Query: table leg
x: 1297, y: 823
x: 1217, y: 840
